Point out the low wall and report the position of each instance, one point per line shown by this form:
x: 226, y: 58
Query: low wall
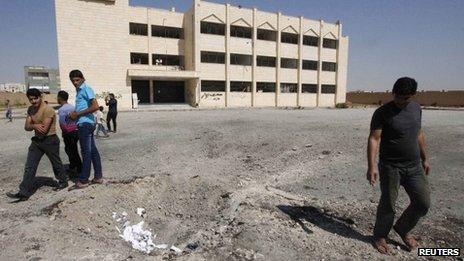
x: 425, y: 98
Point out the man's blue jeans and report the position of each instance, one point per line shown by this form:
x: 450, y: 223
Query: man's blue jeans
x: 89, y: 152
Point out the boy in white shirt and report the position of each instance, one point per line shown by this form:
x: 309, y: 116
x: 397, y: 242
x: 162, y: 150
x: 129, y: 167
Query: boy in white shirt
x: 99, y: 121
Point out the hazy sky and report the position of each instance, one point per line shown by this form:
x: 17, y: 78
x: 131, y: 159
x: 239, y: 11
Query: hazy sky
x: 423, y: 39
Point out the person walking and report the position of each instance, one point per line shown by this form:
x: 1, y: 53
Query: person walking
x: 100, y: 123
x: 112, y: 104
x: 403, y: 162
x: 86, y: 105
x: 9, y: 111
x: 41, y: 119
x: 69, y: 133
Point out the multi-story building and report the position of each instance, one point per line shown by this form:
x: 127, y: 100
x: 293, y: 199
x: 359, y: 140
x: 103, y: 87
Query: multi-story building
x: 213, y: 55
x: 42, y: 78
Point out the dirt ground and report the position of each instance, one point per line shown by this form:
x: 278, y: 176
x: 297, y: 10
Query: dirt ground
x: 261, y: 184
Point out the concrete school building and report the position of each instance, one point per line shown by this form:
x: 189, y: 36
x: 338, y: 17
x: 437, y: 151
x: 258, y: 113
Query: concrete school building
x: 213, y: 55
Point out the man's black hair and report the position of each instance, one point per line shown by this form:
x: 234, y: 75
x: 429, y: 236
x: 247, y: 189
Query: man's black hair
x: 63, y: 95
x: 405, y: 86
x: 76, y: 73
x: 34, y: 93
x: 100, y: 108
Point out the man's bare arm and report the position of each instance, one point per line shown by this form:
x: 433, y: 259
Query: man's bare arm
x: 372, y: 146
x: 93, y: 108
x: 28, y: 125
x: 423, y: 152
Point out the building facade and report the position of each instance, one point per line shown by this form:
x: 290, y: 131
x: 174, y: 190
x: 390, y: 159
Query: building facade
x: 213, y: 55
x: 42, y: 78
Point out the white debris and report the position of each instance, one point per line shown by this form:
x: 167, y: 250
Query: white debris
x: 115, y: 215
x: 140, y: 239
x: 176, y: 249
x: 141, y: 212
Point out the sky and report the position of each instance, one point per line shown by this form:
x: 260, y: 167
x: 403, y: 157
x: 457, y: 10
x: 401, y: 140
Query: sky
x: 423, y: 39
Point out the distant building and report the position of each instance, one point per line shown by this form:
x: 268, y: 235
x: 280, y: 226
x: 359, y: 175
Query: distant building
x: 12, y: 87
x: 42, y: 78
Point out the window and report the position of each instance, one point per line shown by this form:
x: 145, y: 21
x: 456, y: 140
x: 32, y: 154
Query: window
x: 289, y: 38
x: 139, y: 58
x: 310, y: 40
x: 138, y: 29
x: 330, y: 43
x: 240, y: 59
x: 289, y: 63
x: 265, y: 87
x: 170, y: 60
x: 328, y: 88
x: 38, y: 74
x: 213, y: 28
x: 288, y: 87
x: 213, y: 57
x: 266, y: 61
x: 267, y: 35
x: 240, y: 86
x: 309, y: 65
x: 240, y: 31
x: 328, y: 66
x: 213, y: 86
x: 309, y: 88
x: 167, y: 32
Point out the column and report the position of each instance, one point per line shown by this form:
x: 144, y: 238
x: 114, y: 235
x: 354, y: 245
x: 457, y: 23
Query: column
x: 300, y: 62
x: 152, y: 92
x: 227, y: 56
x: 319, y: 63
x: 277, y: 90
x: 253, y: 75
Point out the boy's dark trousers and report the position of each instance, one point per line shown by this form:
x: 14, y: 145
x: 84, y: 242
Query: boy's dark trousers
x: 49, y: 146
x: 70, y: 147
x: 414, y: 181
x: 111, y: 116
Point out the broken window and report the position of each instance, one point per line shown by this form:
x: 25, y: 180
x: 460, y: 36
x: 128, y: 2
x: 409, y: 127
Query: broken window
x: 167, y: 32
x: 310, y: 40
x: 139, y: 58
x: 240, y: 31
x: 266, y: 61
x: 240, y: 59
x: 240, y: 86
x: 328, y: 66
x: 330, y: 43
x: 213, y: 86
x: 309, y: 88
x: 213, y: 57
x: 138, y: 29
x: 267, y: 35
x: 265, y: 86
x: 309, y: 65
x: 213, y: 28
x: 289, y: 63
x: 328, y: 88
x: 289, y: 38
x: 288, y: 87
x: 170, y: 60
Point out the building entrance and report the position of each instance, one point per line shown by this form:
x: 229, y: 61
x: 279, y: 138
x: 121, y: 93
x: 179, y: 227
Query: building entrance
x: 169, y: 91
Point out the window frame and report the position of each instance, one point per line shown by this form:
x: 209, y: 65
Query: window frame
x: 216, y: 29
x: 141, y: 59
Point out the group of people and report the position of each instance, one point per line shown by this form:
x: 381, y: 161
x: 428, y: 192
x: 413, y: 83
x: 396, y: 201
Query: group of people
x: 78, y: 124
x: 395, y: 126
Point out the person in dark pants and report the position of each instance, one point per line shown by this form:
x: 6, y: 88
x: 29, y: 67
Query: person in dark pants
x: 41, y: 119
x: 69, y: 133
x: 86, y: 105
x: 403, y: 162
x: 112, y: 104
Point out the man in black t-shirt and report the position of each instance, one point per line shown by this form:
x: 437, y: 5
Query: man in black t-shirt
x: 112, y: 104
x: 403, y: 161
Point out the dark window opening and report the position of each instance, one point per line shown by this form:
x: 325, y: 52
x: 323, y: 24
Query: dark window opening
x: 240, y: 31
x: 213, y: 28
x: 240, y: 59
x: 310, y: 40
x: 138, y: 29
x: 169, y: 91
x: 240, y: 86
x: 328, y: 88
x: 289, y: 38
x: 309, y: 65
x: 142, y: 88
x: 266, y: 35
x: 288, y: 87
x: 139, y: 58
x: 213, y: 57
x: 309, y: 88
x: 169, y: 60
x: 329, y: 43
x: 266, y: 61
x: 328, y: 66
x: 167, y: 32
x: 213, y: 86
x: 289, y: 63
x: 265, y: 87
x: 38, y: 74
